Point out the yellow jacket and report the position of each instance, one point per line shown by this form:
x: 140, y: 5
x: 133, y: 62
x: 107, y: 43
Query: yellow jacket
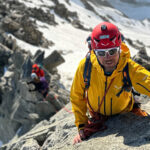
x: 112, y: 104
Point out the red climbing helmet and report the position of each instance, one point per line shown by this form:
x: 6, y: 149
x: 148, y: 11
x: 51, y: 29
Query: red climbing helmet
x: 35, y: 68
x: 105, y: 35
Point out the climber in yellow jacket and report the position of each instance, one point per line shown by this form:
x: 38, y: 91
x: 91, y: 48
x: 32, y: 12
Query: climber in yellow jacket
x: 106, y: 94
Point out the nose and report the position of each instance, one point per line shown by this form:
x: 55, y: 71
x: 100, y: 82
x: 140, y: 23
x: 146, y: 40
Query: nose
x: 107, y: 55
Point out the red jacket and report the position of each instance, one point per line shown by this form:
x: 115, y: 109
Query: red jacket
x: 36, y: 69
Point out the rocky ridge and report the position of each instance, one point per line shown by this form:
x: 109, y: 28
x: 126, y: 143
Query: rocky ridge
x: 25, y: 109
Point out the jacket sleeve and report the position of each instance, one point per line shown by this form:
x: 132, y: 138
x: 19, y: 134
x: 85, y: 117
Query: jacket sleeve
x: 79, y: 105
x: 140, y: 78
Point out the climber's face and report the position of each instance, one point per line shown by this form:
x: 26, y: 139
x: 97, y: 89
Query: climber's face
x: 108, y: 58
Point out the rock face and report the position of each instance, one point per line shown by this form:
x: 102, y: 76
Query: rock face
x: 16, y: 19
x: 125, y: 131
x: 5, y: 53
x: 142, y: 58
x: 52, y: 61
x: 19, y: 24
x: 25, y: 109
x: 23, y: 28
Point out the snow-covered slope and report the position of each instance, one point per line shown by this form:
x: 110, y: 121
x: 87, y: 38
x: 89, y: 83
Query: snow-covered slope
x: 71, y: 40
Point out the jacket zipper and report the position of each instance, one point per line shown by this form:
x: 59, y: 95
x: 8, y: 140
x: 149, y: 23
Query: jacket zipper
x: 105, y: 96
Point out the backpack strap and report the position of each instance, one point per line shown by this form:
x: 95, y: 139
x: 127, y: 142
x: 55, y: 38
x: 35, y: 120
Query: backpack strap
x: 87, y: 77
x: 126, y: 79
x: 87, y: 71
x: 127, y: 85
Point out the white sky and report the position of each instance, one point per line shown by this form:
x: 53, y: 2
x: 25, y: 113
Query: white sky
x: 72, y: 40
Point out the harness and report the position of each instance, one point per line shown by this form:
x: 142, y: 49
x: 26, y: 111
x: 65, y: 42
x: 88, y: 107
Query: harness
x: 87, y: 71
